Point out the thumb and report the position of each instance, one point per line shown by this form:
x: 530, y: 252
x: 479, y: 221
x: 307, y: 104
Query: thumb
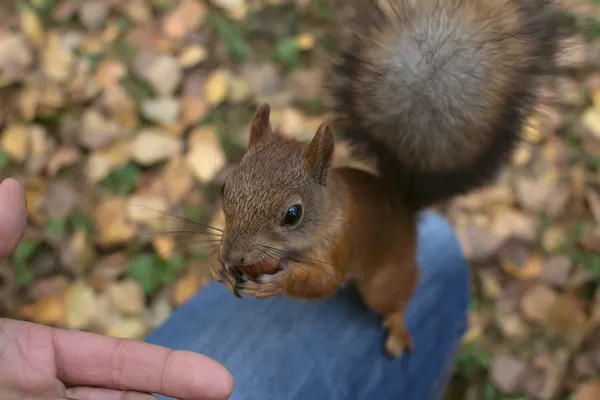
x: 13, y: 216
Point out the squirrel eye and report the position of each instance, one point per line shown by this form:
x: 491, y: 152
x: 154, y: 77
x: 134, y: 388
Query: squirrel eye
x: 222, y: 190
x: 292, y: 215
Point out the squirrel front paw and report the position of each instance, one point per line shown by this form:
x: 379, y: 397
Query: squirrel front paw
x: 398, y: 339
x: 264, y: 286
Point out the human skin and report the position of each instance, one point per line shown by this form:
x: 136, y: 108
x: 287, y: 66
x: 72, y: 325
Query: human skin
x: 39, y: 362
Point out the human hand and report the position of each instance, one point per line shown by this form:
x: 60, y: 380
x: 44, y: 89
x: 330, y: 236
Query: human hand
x: 39, y: 362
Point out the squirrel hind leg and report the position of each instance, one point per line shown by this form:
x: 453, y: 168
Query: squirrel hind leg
x: 398, y: 339
x: 387, y: 291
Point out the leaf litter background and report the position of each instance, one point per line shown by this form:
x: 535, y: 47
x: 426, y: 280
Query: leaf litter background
x: 122, y: 118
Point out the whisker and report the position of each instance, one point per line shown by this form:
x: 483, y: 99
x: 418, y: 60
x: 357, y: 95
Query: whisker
x: 178, y: 232
x: 181, y: 218
x: 297, y: 256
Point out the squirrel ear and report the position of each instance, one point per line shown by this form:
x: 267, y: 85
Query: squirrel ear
x: 318, y: 154
x: 261, y: 125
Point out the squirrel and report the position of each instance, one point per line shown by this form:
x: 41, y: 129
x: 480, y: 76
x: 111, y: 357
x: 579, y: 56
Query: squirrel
x: 437, y: 94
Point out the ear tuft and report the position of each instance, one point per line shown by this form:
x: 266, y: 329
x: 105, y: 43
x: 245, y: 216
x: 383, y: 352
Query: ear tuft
x: 261, y: 126
x: 318, y: 154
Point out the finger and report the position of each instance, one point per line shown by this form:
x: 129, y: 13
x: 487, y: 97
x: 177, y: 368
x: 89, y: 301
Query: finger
x: 87, y: 393
x: 13, y: 215
x: 86, y: 359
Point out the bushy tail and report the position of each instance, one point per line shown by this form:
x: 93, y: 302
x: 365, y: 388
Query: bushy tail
x: 437, y: 91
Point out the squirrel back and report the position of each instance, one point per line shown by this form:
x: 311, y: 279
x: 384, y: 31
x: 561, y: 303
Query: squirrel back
x: 437, y: 92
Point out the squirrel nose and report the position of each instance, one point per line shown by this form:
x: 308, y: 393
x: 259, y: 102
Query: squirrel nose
x: 229, y: 256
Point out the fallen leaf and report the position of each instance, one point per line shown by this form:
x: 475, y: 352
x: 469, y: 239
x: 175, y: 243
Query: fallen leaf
x: 186, y: 287
x: 183, y: 19
x: 81, y: 303
x: 477, y: 241
x: 160, y: 309
x: 98, y: 131
x: 163, y: 245
x: 538, y: 302
x: 61, y: 158
x: 16, y: 57
x: 193, y: 109
x: 162, y: 109
x: 557, y: 270
x: 57, y: 59
x: 191, y: 56
x: 107, y: 270
x: 78, y: 253
x: 163, y: 74
x: 146, y: 209
x: 109, y: 72
x: 519, y: 261
x: 506, y: 372
x: 111, y: 222
x: 47, y: 311
x: 512, y: 326
x: 152, y: 146
x: 31, y: 26
x: 15, y: 142
x: 93, y: 13
x: 176, y: 180
x: 127, y: 296
x: 35, y: 191
x: 217, y: 86
x: 205, y: 156
x: 589, y: 390
x: 128, y: 328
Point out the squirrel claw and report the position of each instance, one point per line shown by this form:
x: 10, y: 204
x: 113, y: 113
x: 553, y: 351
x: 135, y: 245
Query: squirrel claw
x: 263, y: 286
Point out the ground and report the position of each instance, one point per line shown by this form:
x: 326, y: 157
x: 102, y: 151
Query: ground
x: 121, y: 118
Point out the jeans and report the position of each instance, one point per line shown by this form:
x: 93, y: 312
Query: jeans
x: 280, y: 348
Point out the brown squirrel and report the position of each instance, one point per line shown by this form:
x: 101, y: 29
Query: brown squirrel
x: 436, y: 93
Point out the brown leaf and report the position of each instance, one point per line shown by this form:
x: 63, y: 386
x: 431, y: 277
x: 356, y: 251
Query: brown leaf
x: 153, y: 145
x: 205, y: 156
x: 128, y: 328
x: 35, y: 190
x: 78, y: 253
x: 589, y: 390
x: 557, y: 270
x: 61, y: 158
x: 538, y: 302
x: 111, y: 221
x: 57, y: 59
x: 518, y: 260
x: 81, y: 302
x: 128, y: 297
x: 185, y: 18
x: 109, y: 72
x: 15, y: 142
x: 32, y: 26
x: 47, y: 311
x: 507, y: 372
x: 186, y: 287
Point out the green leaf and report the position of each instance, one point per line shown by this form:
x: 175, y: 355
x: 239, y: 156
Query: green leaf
x: 55, y: 228
x: 231, y: 35
x: 194, y: 213
x: 289, y: 53
x: 123, y: 180
x: 25, y: 251
x: 4, y: 160
x: 23, y: 275
x: 142, y: 269
x: 79, y: 221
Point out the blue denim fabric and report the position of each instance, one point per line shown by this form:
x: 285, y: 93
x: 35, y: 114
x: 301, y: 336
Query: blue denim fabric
x: 279, y: 348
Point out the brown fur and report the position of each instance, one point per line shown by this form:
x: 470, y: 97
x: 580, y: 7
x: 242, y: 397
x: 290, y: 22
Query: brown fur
x: 435, y: 92
x: 352, y: 227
